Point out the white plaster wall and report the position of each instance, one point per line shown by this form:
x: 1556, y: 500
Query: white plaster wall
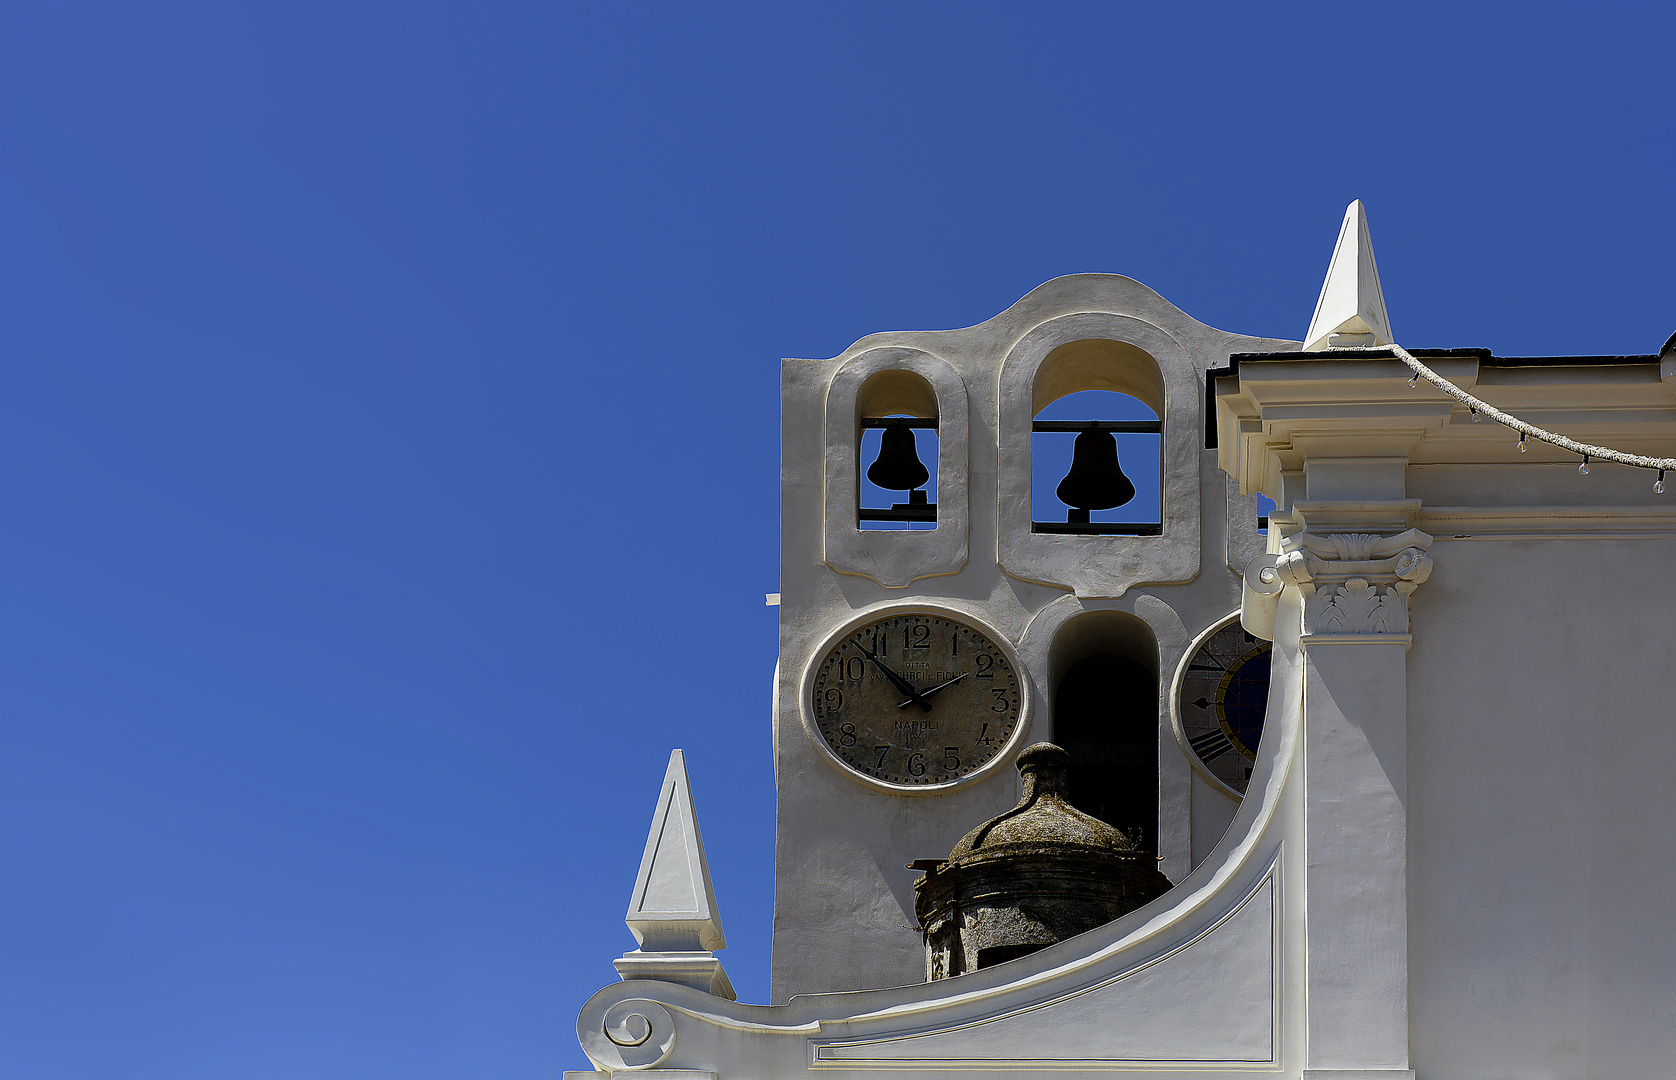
x: 1212, y: 811
x: 1542, y: 816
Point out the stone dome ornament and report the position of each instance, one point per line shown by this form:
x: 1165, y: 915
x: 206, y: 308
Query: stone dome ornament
x: 1042, y: 872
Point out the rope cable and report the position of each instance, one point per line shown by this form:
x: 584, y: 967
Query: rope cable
x: 1588, y: 450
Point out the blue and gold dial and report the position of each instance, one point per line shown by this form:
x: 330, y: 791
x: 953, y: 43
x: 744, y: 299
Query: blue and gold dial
x: 1224, y: 696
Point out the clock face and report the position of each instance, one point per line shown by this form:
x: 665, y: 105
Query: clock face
x: 1224, y: 694
x: 915, y: 700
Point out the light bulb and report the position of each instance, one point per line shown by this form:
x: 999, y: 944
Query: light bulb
x: 1658, y: 485
x: 1476, y: 418
x: 1521, y: 442
x: 1412, y: 383
x: 1584, y: 468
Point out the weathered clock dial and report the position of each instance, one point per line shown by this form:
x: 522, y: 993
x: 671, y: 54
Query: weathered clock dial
x: 915, y: 700
x: 1224, y: 695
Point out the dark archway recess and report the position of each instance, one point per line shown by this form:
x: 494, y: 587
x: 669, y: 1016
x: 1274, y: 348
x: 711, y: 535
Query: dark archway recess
x: 1105, y: 714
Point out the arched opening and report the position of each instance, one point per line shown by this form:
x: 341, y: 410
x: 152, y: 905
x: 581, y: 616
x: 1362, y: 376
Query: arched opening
x: 896, y: 452
x: 1105, y: 714
x: 1097, y: 441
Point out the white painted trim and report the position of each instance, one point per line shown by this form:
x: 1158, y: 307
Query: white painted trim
x: 1312, y: 640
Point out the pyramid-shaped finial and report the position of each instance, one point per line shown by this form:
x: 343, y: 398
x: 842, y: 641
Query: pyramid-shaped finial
x: 674, y: 904
x: 1351, y: 310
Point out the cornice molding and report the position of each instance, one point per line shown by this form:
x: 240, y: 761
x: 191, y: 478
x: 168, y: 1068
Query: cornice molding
x: 1550, y: 522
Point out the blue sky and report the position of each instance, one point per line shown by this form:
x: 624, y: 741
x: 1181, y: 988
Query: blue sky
x: 389, y: 428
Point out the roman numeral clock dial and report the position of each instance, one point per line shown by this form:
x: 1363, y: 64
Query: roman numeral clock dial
x: 1221, y: 701
x: 915, y: 702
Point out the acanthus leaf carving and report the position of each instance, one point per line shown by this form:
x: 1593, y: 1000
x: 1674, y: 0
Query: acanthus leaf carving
x: 1360, y: 607
x: 1354, y: 545
x: 1353, y: 609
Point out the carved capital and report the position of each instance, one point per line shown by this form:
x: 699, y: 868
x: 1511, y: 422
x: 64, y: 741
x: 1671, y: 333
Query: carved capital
x: 1356, y: 583
x: 1357, y: 607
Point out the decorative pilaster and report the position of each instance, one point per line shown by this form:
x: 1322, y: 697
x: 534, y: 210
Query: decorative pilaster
x: 1329, y: 433
x: 1355, y: 587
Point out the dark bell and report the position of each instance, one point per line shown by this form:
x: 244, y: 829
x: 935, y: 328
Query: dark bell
x: 1096, y: 481
x: 898, y: 467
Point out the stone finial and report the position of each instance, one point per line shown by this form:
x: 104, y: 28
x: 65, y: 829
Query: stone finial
x: 1351, y: 309
x: 1043, y: 763
x: 674, y: 904
x: 672, y: 912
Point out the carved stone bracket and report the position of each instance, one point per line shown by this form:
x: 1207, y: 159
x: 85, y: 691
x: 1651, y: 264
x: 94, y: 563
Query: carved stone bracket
x: 1355, y: 583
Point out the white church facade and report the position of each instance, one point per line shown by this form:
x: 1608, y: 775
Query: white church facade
x: 1400, y: 746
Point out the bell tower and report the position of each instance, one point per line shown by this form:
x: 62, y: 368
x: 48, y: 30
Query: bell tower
x: 1023, y: 522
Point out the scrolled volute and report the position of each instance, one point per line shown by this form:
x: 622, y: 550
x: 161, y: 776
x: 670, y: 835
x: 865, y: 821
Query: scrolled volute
x: 633, y: 1033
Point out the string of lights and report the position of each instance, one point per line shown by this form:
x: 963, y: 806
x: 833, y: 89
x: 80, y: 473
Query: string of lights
x: 1481, y: 409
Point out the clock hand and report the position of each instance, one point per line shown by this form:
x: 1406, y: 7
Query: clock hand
x: 896, y: 680
x: 934, y: 691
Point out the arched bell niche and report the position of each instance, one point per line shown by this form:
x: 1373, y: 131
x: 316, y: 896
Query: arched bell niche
x: 1105, y: 714
x: 1149, y: 395
x: 896, y: 423
x: 920, y: 396
x: 1096, y: 461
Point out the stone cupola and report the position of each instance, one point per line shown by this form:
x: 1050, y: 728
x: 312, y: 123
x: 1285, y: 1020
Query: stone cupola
x: 1037, y: 874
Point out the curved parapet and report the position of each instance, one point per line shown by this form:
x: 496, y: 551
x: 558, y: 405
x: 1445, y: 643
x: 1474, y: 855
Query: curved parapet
x: 1206, y: 979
